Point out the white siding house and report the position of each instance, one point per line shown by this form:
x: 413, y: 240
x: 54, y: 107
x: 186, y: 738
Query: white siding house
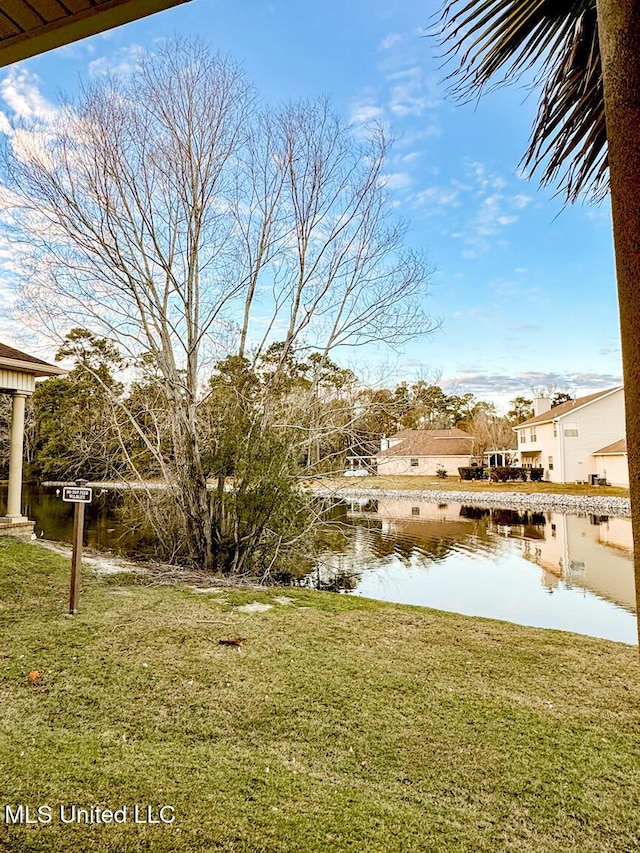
x: 565, y: 440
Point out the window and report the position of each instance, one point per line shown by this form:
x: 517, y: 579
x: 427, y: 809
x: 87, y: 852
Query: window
x: 523, y: 438
x: 571, y: 429
x: 532, y: 433
x: 551, y: 463
x: 555, y: 429
x: 415, y: 510
x: 414, y: 462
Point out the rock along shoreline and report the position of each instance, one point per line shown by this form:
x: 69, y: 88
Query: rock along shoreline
x: 599, y: 505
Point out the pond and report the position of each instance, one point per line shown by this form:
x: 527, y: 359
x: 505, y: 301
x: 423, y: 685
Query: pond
x: 548, y: 570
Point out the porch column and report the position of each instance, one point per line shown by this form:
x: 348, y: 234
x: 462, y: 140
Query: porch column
x: 14, y: 496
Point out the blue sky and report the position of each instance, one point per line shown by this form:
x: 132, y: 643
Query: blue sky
x: 524, y: 287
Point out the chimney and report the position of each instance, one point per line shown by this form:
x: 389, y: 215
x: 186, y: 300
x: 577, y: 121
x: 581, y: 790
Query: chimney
x: 540, y: 405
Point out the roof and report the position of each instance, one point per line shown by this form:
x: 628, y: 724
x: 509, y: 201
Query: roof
x: 566, y: 408
x: 612, y: 449
x: 29, y: 27
x: 430, y: 442
x: 15, y: 355
x: 14, y: 359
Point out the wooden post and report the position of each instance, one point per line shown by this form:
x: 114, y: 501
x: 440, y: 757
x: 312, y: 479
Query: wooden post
x: 76, y: 558
x: 78, y: 495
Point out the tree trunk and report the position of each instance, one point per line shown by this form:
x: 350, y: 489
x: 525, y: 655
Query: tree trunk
x: 619, y: 35
x: 193, y: 490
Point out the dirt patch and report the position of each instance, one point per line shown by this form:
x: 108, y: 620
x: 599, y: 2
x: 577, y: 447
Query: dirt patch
x: 254, y: 607
x: 100, y: 564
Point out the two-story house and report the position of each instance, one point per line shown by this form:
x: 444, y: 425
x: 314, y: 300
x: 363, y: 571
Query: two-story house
x: 578, y: 441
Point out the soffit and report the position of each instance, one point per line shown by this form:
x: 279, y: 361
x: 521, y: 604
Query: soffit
x: 29, y: 27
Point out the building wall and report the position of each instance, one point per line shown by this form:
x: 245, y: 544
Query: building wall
x: 427, y: 465
x: 546, y: 444
x: 599, y: 424
x: 615, y: 469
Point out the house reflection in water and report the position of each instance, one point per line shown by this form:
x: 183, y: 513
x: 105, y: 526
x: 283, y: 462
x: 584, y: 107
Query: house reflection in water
x: 593, y: 552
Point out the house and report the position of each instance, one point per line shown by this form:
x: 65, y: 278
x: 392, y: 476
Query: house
x: 425, y: 451
x: 577, y: 441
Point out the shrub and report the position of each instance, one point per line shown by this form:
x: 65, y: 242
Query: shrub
x: 476, y: 472
x: 535, y: 474
x: 441, y: 473
x: 503, y: 474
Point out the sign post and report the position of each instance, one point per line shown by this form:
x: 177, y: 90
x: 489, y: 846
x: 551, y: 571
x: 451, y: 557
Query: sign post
x: 79, y: 495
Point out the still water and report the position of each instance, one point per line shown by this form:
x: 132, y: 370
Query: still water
x: 549, y: 570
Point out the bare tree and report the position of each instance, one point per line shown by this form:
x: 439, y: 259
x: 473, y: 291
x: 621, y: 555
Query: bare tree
x: 491, y: 432
x: 168, y: 215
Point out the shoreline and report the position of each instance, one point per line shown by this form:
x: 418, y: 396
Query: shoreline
x: 604, y: 505
x: 598, y: 504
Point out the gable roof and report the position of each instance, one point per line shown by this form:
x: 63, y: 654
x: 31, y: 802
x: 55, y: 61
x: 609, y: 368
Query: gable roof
x: 612, y: 449
x: 566, y: 408
x: 430, y: 442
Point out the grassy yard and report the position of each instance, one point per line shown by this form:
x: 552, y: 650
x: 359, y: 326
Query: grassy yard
x: 455, y: 484
x: 340, y: 725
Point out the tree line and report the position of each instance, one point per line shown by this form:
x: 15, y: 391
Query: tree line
x: 90, y: 423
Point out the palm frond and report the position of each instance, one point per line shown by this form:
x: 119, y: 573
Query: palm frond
x: 558, y: 39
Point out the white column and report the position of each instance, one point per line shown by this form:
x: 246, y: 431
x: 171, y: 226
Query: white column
x: 14, y: 496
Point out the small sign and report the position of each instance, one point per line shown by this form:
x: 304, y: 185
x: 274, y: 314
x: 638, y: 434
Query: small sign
x: 76, y: 494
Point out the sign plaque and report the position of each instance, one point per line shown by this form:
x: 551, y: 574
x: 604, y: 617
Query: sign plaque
x: 76, y: 494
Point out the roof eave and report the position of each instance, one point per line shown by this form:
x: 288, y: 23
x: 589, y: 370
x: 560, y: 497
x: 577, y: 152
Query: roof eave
x: 32, y: 367
x: 87, y: 22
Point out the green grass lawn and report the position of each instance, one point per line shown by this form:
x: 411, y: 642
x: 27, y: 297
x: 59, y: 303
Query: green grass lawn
x: 340, y: 725
x: 409, y: 482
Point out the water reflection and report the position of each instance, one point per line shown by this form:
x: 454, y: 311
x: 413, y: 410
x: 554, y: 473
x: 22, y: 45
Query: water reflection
x: 103, y: 527
x: 573, y: 572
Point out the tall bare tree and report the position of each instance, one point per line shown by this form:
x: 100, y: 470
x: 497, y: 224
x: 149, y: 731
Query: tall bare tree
x: 170, y: 216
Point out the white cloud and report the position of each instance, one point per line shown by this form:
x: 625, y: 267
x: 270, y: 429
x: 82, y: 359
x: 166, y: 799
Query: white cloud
x: 411, y: 157
x: 20, y: 91
x: 521, y: 201
x: 437, y: 198
x: 396, y: 180
x: 364, y: 113
x: 390, y: 41
x: 411, y: 94
x: 480, y: 382
x: 122, y: 63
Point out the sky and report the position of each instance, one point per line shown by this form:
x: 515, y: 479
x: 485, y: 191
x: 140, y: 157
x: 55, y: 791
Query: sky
x: 523, y: 286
